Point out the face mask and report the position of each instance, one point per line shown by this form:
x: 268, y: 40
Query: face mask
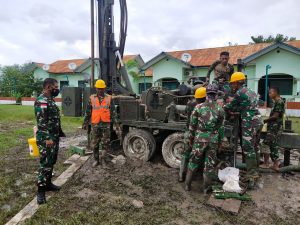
x: 54, y: 92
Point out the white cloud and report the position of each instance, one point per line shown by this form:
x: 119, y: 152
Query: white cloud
x: 45, y: 31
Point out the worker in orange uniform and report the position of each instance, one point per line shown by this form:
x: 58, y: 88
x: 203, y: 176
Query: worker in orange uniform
x: 98, y: 114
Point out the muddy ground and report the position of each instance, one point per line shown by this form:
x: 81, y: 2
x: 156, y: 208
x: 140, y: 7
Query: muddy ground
x: 148, y: 193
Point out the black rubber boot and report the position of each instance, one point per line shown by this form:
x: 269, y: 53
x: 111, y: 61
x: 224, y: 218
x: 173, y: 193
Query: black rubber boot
x: 182, y: 169
x: 188, y: 180
x: 41, y: 196
x: 207, y: 184
x: 51, y: 187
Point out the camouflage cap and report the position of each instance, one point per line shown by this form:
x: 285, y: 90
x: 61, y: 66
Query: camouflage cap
x: 212, y: 89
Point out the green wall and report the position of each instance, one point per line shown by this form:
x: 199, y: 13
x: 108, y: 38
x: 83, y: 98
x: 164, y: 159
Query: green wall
x: 168, y: 68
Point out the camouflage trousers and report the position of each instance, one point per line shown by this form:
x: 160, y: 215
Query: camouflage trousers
x: 100, y: 137
x: 48, y: 158
x: 187, y: 148
x: 250, y: 138
x: 204, y: 153
x: 273, y: 133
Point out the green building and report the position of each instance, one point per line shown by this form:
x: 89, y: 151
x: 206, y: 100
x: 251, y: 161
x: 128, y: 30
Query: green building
x: 172, y: 68
x: 77, y: 72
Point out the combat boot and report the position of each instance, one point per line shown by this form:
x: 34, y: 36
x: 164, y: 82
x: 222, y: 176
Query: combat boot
x: 95, y: 163
x: 51, y: 187
x: 102, y: 159
x: 41, y: 196
x: 188, y: 180
x: 207, y: 184
x: 183, y: 165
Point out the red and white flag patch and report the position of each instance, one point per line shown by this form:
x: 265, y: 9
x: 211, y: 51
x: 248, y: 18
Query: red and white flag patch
x: 43, y: 105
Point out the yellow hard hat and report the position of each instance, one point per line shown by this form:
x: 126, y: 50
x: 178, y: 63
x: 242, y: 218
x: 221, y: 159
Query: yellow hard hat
x: 200, y: 92
x: 100, y: 84
x: 237, y: 76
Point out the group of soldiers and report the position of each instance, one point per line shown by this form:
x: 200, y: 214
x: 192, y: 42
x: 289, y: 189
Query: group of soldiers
x: 204, y: 133
x: 205, y: 125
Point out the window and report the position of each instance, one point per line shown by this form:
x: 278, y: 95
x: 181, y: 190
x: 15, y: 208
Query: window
x: 63, y: 84
x: 142, y: 87
x: 82, y: 83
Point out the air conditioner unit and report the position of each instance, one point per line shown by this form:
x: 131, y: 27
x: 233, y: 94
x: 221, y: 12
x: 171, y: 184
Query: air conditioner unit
x: 188, y: 73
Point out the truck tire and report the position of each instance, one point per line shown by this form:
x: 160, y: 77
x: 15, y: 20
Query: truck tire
x: 172, y: 149
x: 139, y: 144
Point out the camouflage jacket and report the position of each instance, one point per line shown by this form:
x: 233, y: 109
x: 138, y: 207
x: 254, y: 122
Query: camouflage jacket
x: 279, y: 108
x: 220, y: 71
x: 89, y: 108
x: 206, y: 121
x: 48, y: 118
x: 245, y: 102
x: 188, y: 111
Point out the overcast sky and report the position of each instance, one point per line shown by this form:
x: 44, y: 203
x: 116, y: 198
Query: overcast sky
x: 45, y: 31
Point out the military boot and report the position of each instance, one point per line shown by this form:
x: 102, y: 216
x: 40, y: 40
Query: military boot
x: 41, y: 196
x: 182, y: 169
x: 188, y: 180
x: 207, y: 184
x: 51, y: 187
x: 102, y: 159
x: 95, y: 163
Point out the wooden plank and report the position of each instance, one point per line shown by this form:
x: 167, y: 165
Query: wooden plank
x: 30, y: 209
x: 212, y: 201
x: 232, y: 205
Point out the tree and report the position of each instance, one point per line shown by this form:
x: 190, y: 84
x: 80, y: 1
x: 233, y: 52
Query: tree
x: 18, y: 81
x: 133, y: 68
x: 271, y: 38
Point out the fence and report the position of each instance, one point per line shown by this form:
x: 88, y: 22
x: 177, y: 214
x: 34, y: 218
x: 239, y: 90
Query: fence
x: 24, y: 101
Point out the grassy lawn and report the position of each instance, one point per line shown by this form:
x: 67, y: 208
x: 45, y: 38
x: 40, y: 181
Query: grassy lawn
x: 17, y: 168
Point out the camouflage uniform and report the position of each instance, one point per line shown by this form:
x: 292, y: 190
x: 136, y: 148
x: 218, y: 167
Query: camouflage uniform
x: 189, y: 109
x: 100, y: 133
x: 206, y: 121
x: 221, y: 72
x: 49, y: 128
x: 274, y: 129
x: 245, y: 102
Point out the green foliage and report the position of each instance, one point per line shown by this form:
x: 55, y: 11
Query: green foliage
x: 132, y: 66
x: 271, y: 38
x: 18, y: 81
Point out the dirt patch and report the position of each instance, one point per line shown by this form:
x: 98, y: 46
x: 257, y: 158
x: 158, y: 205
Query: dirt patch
x: 111, y: 196
x: 18, y: 176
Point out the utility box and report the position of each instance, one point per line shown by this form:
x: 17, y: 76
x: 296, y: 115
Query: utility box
x: 87, y: 92
x: 72, y: 101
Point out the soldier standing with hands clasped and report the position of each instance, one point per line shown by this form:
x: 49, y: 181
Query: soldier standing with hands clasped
x: 48, y: 132
x: 98, y: 113
x: 274, y: 129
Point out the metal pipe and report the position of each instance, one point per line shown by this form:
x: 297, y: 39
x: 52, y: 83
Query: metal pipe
x: 92, y: 45
x: 266, y: 84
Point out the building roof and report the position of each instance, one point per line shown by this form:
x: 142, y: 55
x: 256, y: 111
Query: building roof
x: 62, y: 66
x: 126, y: 58
x: 205, y: 57
x: 149, y: 72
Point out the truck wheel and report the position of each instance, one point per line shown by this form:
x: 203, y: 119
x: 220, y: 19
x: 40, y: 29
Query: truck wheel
x: 172, y: 149
x: 139, y: 144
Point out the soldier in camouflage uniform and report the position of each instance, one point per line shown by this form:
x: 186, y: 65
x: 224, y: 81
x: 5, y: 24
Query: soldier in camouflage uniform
x: 245, y: 103
x: 199, y: 98
x: 274, y: 128
x: 206, y: 121
x: 49, y: 130
x: 222, y: 70
x: 98, y: 114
